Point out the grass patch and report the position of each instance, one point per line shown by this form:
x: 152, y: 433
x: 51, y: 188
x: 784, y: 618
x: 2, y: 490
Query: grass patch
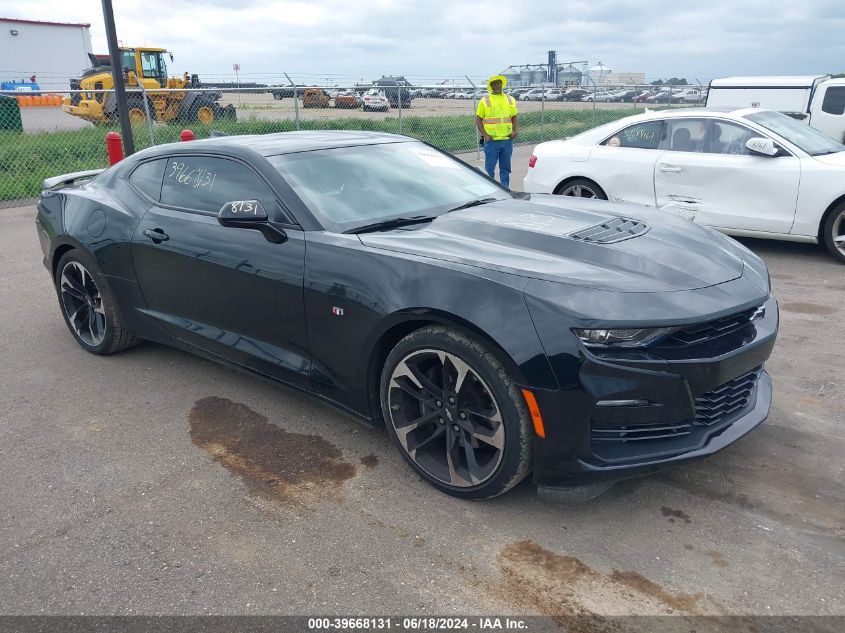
x: 27, y: 159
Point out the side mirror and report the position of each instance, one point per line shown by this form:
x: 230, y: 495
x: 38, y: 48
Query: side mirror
x: 761, y: 146
x: 250, y: 214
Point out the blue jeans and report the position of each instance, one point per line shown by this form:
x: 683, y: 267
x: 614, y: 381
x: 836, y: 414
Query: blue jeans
x: 499, y: 152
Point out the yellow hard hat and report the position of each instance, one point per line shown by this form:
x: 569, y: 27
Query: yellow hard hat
x: 501, y: 78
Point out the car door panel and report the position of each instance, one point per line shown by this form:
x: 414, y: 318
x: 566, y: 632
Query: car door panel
x: 727, y: 190
x: 226, y: 290
x: 624, y: 163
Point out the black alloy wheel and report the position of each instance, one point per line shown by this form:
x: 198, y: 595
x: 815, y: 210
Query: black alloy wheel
x: 455, y: 417
x: 89, y: 307
x: 82, y: 303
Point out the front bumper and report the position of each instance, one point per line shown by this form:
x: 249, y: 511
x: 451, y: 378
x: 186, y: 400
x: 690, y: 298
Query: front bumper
x: 672, y: 408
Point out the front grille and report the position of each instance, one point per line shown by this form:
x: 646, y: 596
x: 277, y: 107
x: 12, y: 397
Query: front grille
x: 723, y: 401
x: 614, y: 230
x: 711, y: 407
x: 702, y: 332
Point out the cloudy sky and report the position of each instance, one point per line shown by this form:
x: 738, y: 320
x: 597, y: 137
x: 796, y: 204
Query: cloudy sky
x: 434, y: 39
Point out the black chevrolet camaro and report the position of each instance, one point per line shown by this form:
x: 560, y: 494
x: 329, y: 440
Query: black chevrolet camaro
x: 493, y: 334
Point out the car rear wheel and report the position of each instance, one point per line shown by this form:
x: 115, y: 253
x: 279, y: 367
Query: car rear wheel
x: 89, y: 306
x: 455, y: 414
x: 834, y: 232
x: 581, y: 188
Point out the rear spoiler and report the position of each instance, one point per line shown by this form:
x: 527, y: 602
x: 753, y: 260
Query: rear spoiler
x: 57, y: 182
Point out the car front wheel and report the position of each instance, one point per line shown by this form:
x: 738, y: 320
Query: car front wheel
x: 455, y: 414
x: 834, y: 232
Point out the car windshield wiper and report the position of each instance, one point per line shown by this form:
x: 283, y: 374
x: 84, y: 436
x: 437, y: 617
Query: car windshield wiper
x: 473, y: 203
x: 392, y: 223
x: 826, y: 152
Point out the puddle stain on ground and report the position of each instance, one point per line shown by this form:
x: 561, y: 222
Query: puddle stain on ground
x: 671, y: 514
x: 272, y: 462
x: 806, y: 308
x: 565, y: 589
x: 718, y: 559
x: 370, y: 461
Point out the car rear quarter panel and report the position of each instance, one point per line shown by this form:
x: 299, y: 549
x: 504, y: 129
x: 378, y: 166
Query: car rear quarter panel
x: 355, y: 295
x: 98, y: 218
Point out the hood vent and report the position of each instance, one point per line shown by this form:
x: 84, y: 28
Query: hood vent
x: 614, y: 230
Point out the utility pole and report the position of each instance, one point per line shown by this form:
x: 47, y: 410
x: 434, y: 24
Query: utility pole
x: 237, y: 68
x: 117, y: 76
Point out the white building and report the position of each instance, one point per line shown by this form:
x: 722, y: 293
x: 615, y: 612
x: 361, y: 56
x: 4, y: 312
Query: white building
x: 52, y: 51
x: 622, y: 79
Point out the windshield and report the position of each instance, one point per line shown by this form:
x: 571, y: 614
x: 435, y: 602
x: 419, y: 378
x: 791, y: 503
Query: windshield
x: 350, y: 187
x: 807, y: 138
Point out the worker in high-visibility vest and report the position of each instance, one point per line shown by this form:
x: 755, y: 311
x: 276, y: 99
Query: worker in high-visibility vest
x: 495, y: 119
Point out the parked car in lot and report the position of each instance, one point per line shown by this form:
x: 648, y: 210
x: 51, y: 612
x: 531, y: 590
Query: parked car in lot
x: 664, y: 96
x: 575, y: 94
x: 374, y: 100
x: 535, y: 94
x: 601, y: 96
x: 747, y: 172
x: 492, y: 334
x: 554, y: 94
x: 689, y: 95
x: 625, y: 95
x: 643, y: 96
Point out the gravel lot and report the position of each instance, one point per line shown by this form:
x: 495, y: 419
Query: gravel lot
x: 137, y: 484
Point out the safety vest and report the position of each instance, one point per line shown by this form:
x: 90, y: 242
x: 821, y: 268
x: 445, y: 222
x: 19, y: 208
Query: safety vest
x: 497, y: 116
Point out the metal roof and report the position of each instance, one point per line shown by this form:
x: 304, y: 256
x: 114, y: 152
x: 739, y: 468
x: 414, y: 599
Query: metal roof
x: 19, y: 21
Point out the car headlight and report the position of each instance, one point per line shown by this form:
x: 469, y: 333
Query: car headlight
x: 640, y: 337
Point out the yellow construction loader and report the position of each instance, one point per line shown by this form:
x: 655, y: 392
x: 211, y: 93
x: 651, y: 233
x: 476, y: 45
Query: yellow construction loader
x: 148, y: 89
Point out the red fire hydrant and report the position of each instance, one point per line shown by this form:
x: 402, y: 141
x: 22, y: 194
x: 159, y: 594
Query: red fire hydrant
x: 188, y: 135
x: 114, y: 147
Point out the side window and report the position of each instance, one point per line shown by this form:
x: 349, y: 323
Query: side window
x: 127, y: 60
x: 727, y: 138
x: 642, y: 135
x: 834, y: 100
x: 147, y: 177
x: 205, y: 184
x: 684, y: 135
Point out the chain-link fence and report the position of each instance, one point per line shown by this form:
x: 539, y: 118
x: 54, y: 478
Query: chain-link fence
x: 46, y: 134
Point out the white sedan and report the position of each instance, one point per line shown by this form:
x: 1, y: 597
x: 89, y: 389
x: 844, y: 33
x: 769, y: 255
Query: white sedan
x: 749, y: 172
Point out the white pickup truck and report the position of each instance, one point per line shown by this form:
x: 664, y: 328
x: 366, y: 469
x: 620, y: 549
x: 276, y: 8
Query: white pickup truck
x: 817, y: 100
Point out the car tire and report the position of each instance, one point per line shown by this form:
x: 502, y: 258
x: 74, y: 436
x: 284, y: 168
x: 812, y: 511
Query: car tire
x: 833, y: 230
x: 456, y: 462
x: 580, y: 188
x: 89, y: 307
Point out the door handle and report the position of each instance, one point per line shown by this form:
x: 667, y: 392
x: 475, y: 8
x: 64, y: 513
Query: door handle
x: 670, y: 169
x: 156, y: 235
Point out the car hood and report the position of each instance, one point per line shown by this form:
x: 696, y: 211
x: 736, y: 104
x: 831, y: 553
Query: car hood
x: 535, y: 238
